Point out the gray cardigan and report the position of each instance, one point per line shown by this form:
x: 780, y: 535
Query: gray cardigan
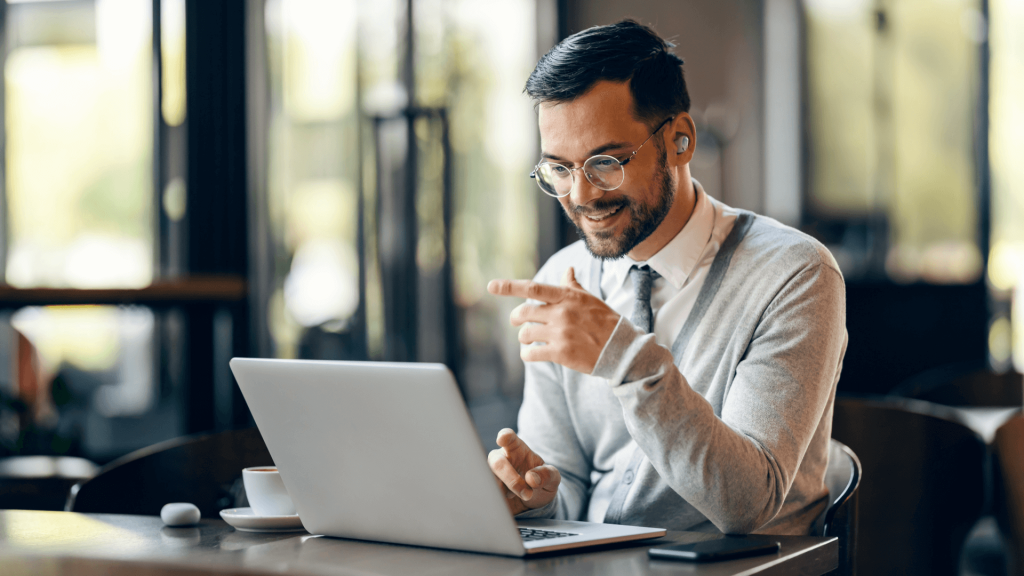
x: 736, y: 438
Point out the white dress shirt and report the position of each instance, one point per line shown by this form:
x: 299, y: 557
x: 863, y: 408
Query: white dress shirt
x: 683, y: 264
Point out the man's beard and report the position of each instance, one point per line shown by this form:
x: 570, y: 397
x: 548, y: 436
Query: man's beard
x: 644, y: 219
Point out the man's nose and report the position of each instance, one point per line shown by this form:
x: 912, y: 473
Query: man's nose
x: 583, y: 192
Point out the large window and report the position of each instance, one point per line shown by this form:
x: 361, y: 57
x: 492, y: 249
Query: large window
x: 344, y: 88
x: 892, y: 98
x: 79, y: 164
x: 79, y: 154
x: 477, y: 69
x: 313, y: 175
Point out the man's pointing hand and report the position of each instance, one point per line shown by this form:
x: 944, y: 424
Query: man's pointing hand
x: 573, y: 324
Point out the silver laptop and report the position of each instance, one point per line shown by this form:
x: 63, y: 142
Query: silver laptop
x: 387, y: 452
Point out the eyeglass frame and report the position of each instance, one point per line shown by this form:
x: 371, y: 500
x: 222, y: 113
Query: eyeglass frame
x: 581, y: 166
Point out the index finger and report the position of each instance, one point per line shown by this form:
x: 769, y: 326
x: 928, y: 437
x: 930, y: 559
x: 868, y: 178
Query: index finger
x: 527, y: 289
x: 509, y: 441
x: 516, y: 449
x: 508, y: 475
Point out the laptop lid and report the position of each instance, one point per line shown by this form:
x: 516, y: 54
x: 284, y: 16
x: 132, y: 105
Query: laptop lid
x: 378, y: 451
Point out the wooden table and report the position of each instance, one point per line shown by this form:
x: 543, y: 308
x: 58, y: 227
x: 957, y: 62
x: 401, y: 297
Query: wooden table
x: 51, y: 543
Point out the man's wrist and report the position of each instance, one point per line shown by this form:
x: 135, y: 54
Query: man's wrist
x: 622, y: 345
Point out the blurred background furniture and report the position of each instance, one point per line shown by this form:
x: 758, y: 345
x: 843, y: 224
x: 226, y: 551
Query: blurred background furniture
x: 923, y: 484
x: 965, y: 385
x: 984, y: 401
x: 41, y: 482
x: 840, y: 519
x: 203, y: 470
x: 1009, y: 481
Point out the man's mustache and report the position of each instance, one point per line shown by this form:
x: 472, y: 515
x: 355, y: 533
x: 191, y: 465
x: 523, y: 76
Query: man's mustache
x: 600, y: 206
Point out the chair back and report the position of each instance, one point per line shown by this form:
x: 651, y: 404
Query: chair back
x: 842, y: 478
x: 922, y: 488
x: 198, y: 469
x: 964, y: 385
x: 1009, y: 489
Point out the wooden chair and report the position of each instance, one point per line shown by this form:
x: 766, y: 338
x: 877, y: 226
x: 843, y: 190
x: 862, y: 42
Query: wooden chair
x: 840, y: 518
x: 1008, y: 476
x: 923, y: 484
x: 198, y: 469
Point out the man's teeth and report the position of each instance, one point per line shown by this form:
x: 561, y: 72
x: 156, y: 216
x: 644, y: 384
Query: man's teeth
x: 605, y: 215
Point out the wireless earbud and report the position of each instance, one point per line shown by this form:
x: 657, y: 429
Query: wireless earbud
x: 682, y: 143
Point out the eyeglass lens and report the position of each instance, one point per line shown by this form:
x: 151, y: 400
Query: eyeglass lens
x: 604, y: 172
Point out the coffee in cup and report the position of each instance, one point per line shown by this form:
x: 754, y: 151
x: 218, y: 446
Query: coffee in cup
x: 266, y: 492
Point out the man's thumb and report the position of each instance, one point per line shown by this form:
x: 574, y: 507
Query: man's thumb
x: 569, y: 280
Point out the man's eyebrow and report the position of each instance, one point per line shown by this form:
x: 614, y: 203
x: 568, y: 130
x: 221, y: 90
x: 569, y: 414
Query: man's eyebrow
x: 599, y: 150
x: 609, y: 146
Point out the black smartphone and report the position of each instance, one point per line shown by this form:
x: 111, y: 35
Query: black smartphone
x: 713, y: 550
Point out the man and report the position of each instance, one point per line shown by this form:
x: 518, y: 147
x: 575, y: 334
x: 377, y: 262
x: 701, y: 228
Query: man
x: 682, y: 359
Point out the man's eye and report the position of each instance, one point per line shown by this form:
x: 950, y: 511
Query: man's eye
x: 560, y: 170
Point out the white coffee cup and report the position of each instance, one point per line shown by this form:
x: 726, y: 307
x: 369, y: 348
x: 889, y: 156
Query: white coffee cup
x: 266, y: 493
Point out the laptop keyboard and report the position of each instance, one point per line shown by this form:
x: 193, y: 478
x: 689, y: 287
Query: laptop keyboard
x: 531, y: 534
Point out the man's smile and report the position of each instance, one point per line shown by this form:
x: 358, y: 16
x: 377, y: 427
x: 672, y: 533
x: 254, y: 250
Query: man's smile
x: 598, y: 216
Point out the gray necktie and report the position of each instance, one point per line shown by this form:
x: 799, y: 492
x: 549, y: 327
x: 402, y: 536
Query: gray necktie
x: 642, y: 278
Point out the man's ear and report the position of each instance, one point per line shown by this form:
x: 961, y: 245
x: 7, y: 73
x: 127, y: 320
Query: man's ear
x: 684, y: 138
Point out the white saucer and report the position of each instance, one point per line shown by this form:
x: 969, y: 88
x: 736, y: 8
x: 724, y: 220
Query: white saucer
x: 246, y: 520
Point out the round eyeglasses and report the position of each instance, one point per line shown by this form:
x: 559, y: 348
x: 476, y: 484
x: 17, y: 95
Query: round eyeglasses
x: 603, y: 171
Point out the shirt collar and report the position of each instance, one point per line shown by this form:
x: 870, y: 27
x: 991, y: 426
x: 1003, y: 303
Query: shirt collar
x: 677, y: 259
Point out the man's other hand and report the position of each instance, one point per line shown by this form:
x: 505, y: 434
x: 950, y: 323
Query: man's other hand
x: 522, y: 475
x: 573, y: 323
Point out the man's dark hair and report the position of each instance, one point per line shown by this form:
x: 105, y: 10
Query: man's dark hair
x: 626, y: 51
